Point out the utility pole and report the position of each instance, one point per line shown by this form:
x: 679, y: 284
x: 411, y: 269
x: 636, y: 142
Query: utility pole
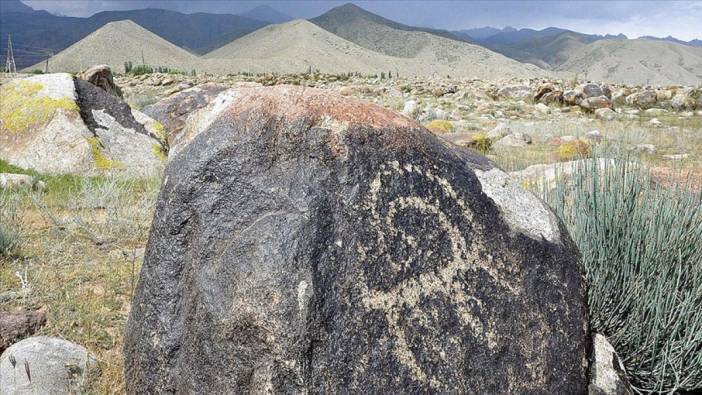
x: 46, y: 66
x: 10, y: 66
x: 142, y: 57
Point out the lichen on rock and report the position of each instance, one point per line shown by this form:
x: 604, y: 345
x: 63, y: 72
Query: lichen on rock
x: 24, y: 107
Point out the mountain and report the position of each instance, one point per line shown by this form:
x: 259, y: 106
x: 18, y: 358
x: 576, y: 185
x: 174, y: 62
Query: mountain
x: 267, y: 14
x: 694, y: 43
x: 14, y: 6
x: 299, y: 45
x: 636, y: 62
x: 35, y: 34
x: 376, y: 33
x: 546, y: 48
x: 481, y: 33
x: 118, y: 42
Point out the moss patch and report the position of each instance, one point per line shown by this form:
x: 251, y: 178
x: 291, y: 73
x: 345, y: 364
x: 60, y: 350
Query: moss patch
x: 22, y: 107
x: 102, y: 162
x: 160, y: 132
x: 157, y: 149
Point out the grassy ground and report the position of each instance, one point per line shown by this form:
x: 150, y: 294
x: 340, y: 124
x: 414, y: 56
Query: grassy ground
x: 81, y: 244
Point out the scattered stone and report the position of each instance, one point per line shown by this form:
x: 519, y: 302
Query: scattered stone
x: 655, y: 112
x: 515, y: 139
x: 646, y: 148
x: 591, y: 90
x: 677, y: 156
x: 606, y: 114
x: 594, y: 135
x: 17, y: 181
x: 572, y: 98
x: 45, y: 365
x: 16, y: 325
x: 654, y: 122
x: 101, y: 76
x: 410, y: 109
x: 500, y: 131
x: 591, y: 104
x: 607, y: 373
x: 542, y: 108
x: 542, y: 90
x: 515, y: 92
x: 430, y: 254
x: 552, y: 98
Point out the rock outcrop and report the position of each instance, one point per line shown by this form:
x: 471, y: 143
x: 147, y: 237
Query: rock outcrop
x: 307, y: 243
x: 54, y: 124
x: 45, y: 365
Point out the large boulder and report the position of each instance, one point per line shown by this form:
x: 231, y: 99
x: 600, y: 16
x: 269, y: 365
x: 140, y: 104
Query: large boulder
x: 308, y: 243
x: 54, y: 124
x: 45, y: 365
x: 101, y: 76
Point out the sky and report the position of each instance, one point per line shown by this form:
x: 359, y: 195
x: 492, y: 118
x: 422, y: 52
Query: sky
x: 680, y: 19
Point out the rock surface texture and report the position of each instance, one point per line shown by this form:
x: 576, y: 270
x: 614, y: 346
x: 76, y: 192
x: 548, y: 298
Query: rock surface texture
x: 308, y: 243
x: 54, y: 124
x: 45, y: 365
x: 16, y: 325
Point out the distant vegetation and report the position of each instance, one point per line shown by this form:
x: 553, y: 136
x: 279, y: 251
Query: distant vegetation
x: 130, y: 69
x: 641, y: 244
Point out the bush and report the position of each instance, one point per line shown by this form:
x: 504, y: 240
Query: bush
x: 36, y: 71
x: 572, y: 150
x: 482, y: 143
x: 140, y: 70
x: 641, y: 245
x: 439, y: 126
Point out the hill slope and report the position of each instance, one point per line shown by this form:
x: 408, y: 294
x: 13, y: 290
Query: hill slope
x: 38, y: 32
x: 376, y: 33
x: 118, y: 42
x: 637, y: 62
x: 298, y: 45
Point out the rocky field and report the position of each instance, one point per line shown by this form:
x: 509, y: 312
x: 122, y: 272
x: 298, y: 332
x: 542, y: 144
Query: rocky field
x: 265, y: 176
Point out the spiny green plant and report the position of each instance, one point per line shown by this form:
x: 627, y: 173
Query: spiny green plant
x: 641, y: 244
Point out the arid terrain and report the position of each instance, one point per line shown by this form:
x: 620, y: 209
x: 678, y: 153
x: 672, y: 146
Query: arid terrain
x: 348, y: 203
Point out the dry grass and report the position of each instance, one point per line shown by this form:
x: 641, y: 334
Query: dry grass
x: 80, y: 255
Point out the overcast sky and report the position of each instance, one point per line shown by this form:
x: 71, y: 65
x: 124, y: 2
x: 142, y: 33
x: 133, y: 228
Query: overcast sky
x: 681, y: 19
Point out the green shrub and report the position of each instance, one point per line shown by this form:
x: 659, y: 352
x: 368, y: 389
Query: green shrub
x: 641, y: 245
x: 36, y: 71
x: 140, y: 70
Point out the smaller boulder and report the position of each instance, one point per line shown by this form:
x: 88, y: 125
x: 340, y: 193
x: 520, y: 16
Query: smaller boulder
x: 543, y: 90
x: 16, y: 325
x: 645, y: 148
x: 45, y: 365
x: 594, y: 135
x: 101, y: 76
x: 18, y: 181
x: 516, y: 92
x: 515, y: 139
x: 643, y: 100
x: 591, y: 90
x: 591, y: 104
x: 550, y: 98
x: 572, y: 98
x: 498, y: 132
x: 607, y: 374
x: 605, y: 114
x: 410, y: 109
x: 542, y: 108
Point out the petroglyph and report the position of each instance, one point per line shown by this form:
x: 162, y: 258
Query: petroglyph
x: 438, y: 281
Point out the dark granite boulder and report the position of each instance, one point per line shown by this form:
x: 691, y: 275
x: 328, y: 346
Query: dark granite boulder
x: 308, y: 243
